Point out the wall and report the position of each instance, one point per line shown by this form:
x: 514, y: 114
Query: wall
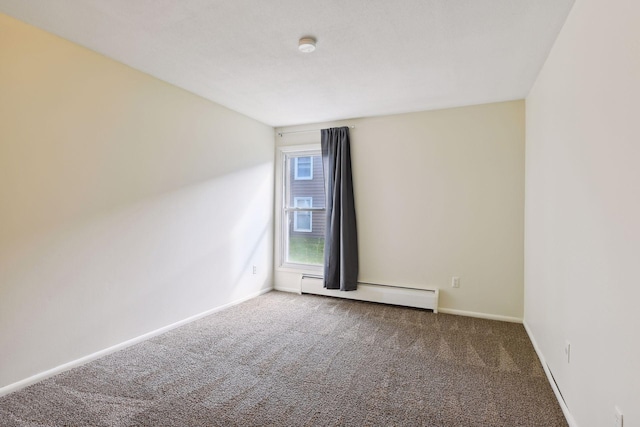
x: 126, y: 204
x: 583, y: 212
x: 438, y: 194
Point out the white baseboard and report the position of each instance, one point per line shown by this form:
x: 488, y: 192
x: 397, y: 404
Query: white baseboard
x: 556, y: 391
x: 86, y: 359
x: 480, y: 315
x: 285, y: 289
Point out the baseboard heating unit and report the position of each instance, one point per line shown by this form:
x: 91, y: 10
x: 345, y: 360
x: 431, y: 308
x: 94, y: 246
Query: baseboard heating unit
x: 372, y: 292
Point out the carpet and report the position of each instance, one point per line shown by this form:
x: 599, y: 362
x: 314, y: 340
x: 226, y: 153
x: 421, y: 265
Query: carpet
x: 302, y: 360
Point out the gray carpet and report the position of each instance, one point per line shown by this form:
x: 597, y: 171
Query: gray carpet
x: 290, y: 360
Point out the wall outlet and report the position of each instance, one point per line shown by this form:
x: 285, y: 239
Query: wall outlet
x: 255, y: 270
x: 455, y: 282
x: 618, y: 421
x: 567, y: 351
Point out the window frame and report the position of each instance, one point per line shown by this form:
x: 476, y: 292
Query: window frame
x: 281, y: 210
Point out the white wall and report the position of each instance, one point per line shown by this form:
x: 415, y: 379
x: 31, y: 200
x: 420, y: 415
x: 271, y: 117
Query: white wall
x: 126, y: 204
x: 583, y: 211
x: 438, y: 194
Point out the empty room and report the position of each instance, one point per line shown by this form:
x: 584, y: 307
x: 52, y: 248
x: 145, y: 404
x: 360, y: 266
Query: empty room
x: 299, y: 213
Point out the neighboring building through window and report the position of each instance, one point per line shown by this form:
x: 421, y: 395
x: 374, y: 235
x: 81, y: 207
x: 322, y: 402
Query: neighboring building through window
x: 303, y: 210
x: 303, y: 221
x: 303, y: 168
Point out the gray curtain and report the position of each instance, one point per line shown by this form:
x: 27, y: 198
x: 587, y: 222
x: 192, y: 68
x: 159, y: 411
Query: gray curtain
x: 341, y: 239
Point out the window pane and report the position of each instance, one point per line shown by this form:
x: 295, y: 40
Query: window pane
x: 306, y: 249
x: 311, y: 187
x: 304, y: 188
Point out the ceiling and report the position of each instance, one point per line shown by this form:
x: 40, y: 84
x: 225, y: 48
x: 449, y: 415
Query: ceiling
x: 373, y: 57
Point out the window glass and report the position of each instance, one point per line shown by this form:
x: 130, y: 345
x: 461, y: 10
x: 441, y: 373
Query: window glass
x: 303, y: 210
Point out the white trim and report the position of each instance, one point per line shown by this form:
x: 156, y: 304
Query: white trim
x: 565, y: 409
x: 98, y: 354
x: 290, y: 267
x: 480, y: 315
x: 285, y: 289
x: 299, y: 148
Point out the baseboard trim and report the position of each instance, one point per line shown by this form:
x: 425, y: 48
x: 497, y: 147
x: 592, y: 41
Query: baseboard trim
x: 565, y: 409
x: 285, y: 289
x: 480, y: 315
x: 86, y: 359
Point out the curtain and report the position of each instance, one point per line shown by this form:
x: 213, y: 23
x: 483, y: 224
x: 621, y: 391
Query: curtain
x: 341, y: 240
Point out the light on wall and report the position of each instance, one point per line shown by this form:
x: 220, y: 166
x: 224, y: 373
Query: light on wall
x: 307, y: 44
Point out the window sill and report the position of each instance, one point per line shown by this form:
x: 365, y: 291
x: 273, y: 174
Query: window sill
x: 301, y: 269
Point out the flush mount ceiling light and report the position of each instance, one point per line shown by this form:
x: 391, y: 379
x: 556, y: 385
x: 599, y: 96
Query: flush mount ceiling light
x: 307, y: 44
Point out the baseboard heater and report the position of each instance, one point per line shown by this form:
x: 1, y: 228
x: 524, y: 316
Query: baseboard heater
x: 374, y: 292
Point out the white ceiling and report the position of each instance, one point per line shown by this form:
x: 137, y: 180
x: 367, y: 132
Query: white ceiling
x: 373, y: 57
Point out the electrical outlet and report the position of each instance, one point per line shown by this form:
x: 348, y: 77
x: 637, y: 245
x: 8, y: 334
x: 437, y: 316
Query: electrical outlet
x: 617, y: 417
x: 567, y: 351
x: 455, y: 282
x: 255, y: 269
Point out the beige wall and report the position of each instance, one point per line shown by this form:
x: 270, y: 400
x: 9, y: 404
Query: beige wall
x: 438, y: 194
x: 126, y: 204
x: 583, y: 211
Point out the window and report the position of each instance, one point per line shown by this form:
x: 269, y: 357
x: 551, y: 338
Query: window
x: 302, y: 215
x: 303, y: 168
x: 303, y: 221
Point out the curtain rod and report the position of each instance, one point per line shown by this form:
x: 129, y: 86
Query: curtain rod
x: 302, y: 131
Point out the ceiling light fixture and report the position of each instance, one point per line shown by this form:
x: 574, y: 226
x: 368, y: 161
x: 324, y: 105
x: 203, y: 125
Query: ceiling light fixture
x: 307, y: 44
